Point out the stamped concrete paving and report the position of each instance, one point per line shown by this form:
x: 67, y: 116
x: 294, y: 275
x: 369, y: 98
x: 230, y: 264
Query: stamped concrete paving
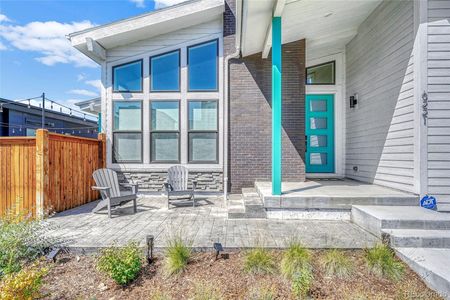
x: 201, y: 225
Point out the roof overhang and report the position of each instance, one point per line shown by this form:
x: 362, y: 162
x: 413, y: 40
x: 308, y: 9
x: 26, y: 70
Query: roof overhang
x: 323, y: 23
x: 90, y: 106
x: 94, y: 42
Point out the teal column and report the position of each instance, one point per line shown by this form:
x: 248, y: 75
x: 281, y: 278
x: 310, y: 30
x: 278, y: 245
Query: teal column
x: 99, y: 122
x: 276, y: 106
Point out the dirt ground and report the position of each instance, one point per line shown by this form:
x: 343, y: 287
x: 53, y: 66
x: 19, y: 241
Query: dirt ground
x: 74, y: 277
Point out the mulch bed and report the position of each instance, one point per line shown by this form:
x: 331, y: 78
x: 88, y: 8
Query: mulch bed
x: 74, y: 277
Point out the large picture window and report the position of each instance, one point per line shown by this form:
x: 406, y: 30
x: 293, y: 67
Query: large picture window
x: 165, y: 131
x: 127, y: 78
x: 203, y: 131
x: 165, y: 72
x: 127, y: 131
x: 202, y: 67
x: 323, y: 74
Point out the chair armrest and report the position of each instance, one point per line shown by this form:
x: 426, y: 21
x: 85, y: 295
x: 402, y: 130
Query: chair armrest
x: 100, y: 188
x: 133, y: 186
x: 168, y: 187
x: 194, y: 184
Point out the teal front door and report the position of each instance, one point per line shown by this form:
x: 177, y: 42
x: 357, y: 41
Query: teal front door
x: 319, y: 133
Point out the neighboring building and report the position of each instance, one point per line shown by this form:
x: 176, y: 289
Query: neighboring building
x: 357, y: 89
x: 19, y: 119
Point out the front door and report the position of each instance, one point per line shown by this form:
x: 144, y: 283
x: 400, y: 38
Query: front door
x: 319, y: 133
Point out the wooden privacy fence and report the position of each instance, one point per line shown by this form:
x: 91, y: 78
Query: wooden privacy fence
x: 49, y: 172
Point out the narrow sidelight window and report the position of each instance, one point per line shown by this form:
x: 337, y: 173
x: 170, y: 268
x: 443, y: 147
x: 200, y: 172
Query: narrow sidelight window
x: 203, y: 131
x: 127, y: 78
x: 165, y: 72
x: 323, y: 74
x: 127, y: 132
x: 202, y: 67
x: 165, y: 131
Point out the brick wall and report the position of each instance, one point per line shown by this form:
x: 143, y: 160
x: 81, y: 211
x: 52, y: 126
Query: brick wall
x: 251, y: 116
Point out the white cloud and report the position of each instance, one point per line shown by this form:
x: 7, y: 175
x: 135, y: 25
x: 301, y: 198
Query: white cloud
x: 165, y: 3
x: 48, y: 39
x: 83, y: 92
x: 80, y: 77
x: 95, y: 83
x: 2, y: 46
x: 139, y: 3
x: 4, y: 18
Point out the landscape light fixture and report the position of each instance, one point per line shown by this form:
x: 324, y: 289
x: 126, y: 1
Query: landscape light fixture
x: 353, y: 100
x: 219, y: 248
x: 150, y: 239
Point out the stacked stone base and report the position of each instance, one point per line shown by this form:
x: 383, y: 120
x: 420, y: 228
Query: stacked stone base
x: 154, y: 181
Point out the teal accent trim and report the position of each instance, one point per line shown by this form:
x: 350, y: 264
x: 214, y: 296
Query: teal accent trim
x: 326, y: 134
x: 276, y: 106
x: 99, y: 122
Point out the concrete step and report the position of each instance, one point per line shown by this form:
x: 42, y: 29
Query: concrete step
x: 417, y: 238
x: 376, y: 218
x: 432, y: 265
x: 444, y: 207
x: 246, y: 206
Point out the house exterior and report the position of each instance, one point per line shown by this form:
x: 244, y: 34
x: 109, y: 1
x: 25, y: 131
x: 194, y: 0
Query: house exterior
x: 20, y: 119
x: 279, y: 90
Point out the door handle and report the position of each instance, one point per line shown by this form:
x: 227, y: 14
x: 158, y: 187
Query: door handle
x: 306, y: 142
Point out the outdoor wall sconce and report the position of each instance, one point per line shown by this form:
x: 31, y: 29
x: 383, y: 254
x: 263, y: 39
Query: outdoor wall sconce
x: 353, y: 100
x: 150, y: 243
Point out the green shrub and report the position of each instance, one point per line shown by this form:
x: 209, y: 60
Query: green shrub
x: 381, y: 261
x: 301, y: 282
x: 177, y: 255
x: 337, y: 264
x: 259, y: 261
x: 122, y: 264
x: 295, y: 258
x: 205, y: 291
x: 23, y: 285
x: 22, y: 240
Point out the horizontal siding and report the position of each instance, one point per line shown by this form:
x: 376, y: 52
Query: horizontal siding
x: 439, y: 100
x: 159, y: 43
x: 380, y: 131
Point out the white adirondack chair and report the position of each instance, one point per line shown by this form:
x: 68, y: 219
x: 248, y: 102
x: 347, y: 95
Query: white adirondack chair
x: 177, y: 185
x: 112, y: 196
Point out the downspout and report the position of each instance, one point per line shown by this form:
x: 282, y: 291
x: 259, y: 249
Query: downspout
x: 235, y: 54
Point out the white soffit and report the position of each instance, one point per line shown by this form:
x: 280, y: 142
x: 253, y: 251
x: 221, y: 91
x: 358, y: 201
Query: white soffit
x: 92, y: 42
x: 322, y: 23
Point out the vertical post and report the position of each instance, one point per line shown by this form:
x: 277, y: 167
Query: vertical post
x: 43, y: 111
x: 42, y: 166
x: 102, y: 150
x: 276, y: 105
x: 99, y: 122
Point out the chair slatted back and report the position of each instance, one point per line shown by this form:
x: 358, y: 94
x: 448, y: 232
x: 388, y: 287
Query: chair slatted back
x: 177, y: 177
x: 107, y: 178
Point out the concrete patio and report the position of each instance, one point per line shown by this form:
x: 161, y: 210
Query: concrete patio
x: 201, y: 226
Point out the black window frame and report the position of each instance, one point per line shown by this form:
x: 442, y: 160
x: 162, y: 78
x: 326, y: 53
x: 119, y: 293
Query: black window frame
x: 179, y: 72
x: 142, y: 76
x: 166, y: 131
x: 189, y: 131
x: 217, y: 66
x: 333, y: 62
x: 114, y: 132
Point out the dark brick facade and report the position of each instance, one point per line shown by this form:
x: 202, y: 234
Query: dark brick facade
x: 250, y: 113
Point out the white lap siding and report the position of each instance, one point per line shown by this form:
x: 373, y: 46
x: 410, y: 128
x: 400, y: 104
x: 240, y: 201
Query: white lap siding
x: 379, y: 68
x: 439, y: 100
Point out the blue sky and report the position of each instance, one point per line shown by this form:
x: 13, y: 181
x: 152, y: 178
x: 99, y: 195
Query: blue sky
x: 36, y: 57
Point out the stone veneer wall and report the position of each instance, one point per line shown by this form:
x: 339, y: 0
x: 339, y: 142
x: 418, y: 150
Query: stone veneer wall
x: 250, y: 117
x: 154, y: 181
